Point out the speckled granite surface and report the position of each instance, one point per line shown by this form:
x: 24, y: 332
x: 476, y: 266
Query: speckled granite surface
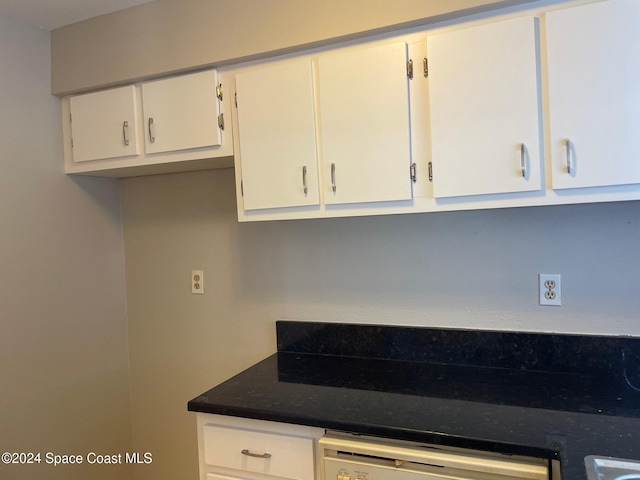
x: 536, y: 394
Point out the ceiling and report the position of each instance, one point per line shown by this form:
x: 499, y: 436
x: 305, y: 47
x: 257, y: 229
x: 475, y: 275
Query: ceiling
x: 51, y: 14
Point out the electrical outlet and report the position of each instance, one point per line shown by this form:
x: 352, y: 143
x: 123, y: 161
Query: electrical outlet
x: 550, y: 292
x: 197, y: 281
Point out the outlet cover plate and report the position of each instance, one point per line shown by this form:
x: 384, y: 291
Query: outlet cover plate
x: 550, y: 289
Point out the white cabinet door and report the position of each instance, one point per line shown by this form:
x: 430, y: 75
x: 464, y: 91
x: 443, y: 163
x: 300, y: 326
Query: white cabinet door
x: 484, y: 106
x: 181, y: 113
x: 104, y: 124
x: 276, y: 133
x: 364, y: 124
x: 594, y: 99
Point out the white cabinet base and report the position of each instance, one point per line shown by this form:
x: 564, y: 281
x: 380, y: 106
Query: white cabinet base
x: 222, y: 440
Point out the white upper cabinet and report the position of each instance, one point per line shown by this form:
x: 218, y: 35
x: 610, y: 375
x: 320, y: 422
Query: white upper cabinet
x: 170, y: 125
x: 104, y: 124
x: 277, y: 136
x: 364, y: 124
x: 594, y: 97
x: 485, y: 109
x: 181, y: 112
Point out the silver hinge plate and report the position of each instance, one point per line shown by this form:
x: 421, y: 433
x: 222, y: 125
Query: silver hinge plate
x: 219, y: 92
x: 425, y: 67
x: 412, y: 172
x: 221, y: 121
x: 430, y: 172
x: 410, y: 69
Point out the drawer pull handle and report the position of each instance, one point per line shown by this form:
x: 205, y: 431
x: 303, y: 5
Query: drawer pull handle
x: 523, y: 160
x: 567, y: 142
x: 256, y: 455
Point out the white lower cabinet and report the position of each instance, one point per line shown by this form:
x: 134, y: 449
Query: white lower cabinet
x: 231, y: 447
x: 216, y: 476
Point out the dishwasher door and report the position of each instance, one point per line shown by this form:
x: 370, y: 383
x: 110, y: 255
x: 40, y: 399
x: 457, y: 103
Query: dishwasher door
x: 347, y: 458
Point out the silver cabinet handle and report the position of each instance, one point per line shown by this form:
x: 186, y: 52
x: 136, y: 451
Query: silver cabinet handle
x: 568, y: 147
x: 152, y: 137
x: 125, y: 132
x: 333, y: 177
x: 256, y: 455
x: 304, y: 180
x: 523, y: 160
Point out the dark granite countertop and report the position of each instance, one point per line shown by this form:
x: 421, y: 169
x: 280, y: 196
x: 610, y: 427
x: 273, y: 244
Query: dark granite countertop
x: 551, y: 396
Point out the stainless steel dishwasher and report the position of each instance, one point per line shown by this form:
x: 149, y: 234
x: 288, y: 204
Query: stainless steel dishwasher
x: 347, y: 457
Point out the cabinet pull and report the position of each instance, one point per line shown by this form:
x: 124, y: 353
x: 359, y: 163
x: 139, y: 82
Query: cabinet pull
x: 333, y: 177
x: 152, y: 137
x: 568, y: 147
x: 523, y: 160
x: 304, y: 180
x: 256, y: 455
x: 125, y: 132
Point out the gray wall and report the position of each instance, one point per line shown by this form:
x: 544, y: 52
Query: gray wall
x: 170, y: 36
x: 473, y: 269
x: 63, y: 336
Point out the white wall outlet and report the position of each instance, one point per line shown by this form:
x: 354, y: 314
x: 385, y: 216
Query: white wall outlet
x: 197, y: 281
x: 550, y: 289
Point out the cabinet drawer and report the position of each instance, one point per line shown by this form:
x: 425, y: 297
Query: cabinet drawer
x: 269, y: 453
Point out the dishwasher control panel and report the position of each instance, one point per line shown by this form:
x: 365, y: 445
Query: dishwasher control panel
x: 346, y: 457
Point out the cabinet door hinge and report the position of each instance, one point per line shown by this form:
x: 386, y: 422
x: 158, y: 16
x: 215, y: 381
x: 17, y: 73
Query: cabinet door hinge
x: 235, y: 99
x: 241, y: 188
x: 221, y: 121
x: 410, y: 69
x: 412, y: 172
x: 425, y: 67
x: 430, y: 172
x: 219, y: 92
x: 71, y: 142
